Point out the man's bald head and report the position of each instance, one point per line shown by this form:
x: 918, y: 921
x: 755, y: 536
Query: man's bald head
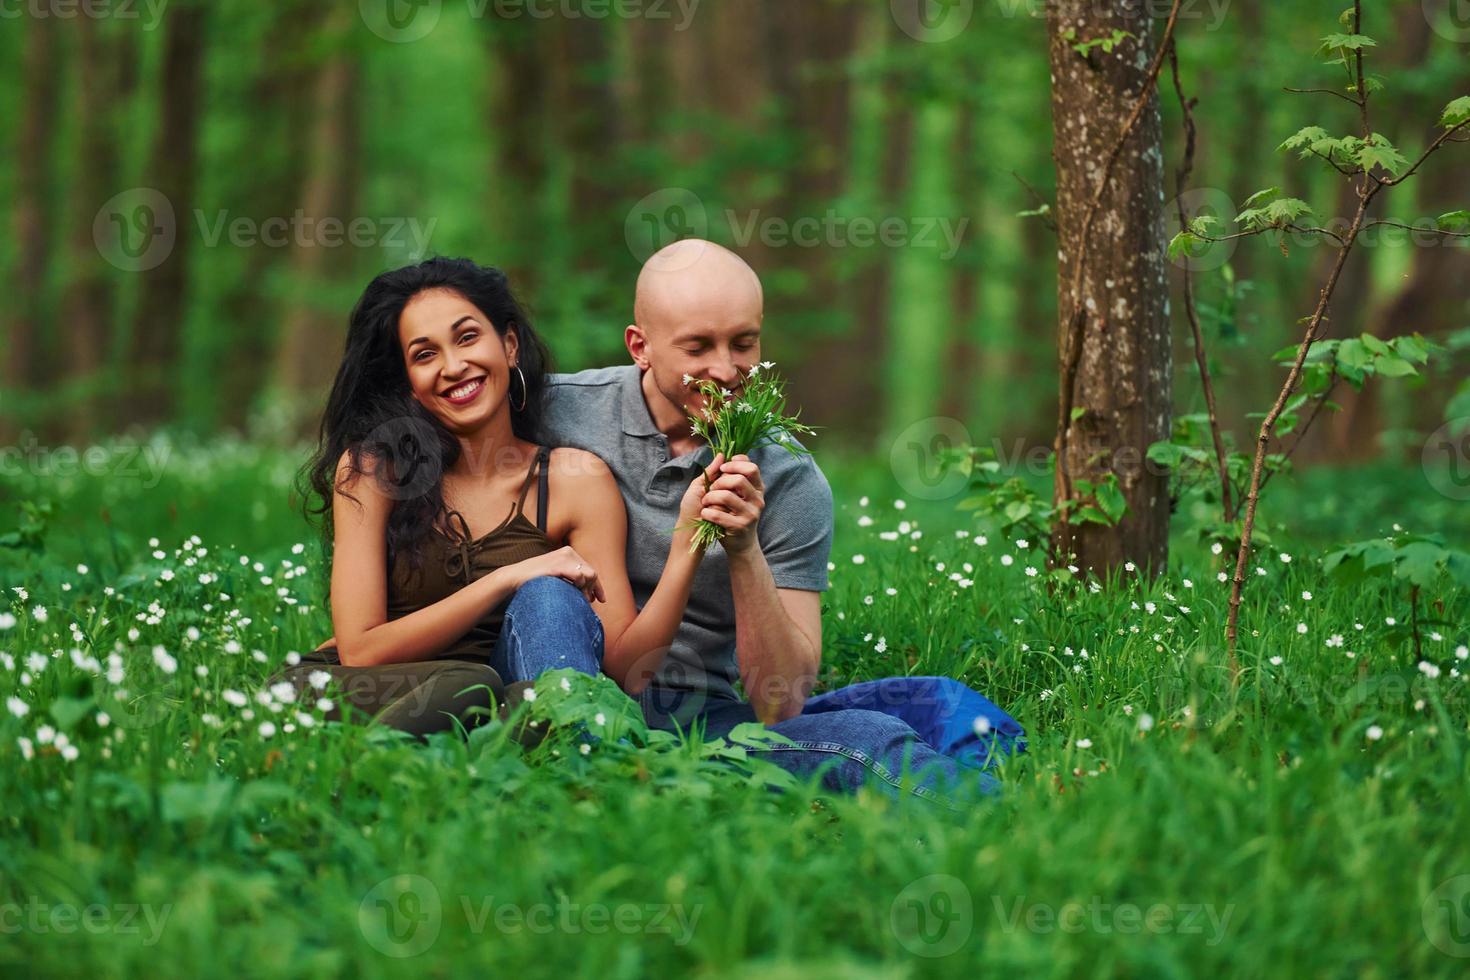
x: 697, y: 315
x: 696, y: 282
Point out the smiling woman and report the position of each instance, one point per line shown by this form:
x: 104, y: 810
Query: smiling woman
x: 432, y: 431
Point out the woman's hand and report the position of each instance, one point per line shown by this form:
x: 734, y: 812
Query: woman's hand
x: 561, y: 563
x: 691, y: 508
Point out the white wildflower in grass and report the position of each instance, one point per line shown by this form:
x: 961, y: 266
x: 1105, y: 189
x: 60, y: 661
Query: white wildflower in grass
x: 7, y: 622
x: 39, y: 614
x: 1285, y: 558
x: 324, y: 705
x: 318, y: 679
x: 1435, y: 636
x: 27, y: 750
x: 1260, y: 570
x: 1335, y: 640
x: 1216, y: 548
x: 1084, y: 743
x: 858, y: 559
x: 882, y: 645
x: 297, y: 548
x: 1022, y: 543
x: 1301, y: 628
x: 863, y: 501
x: 890, y: 591
x: 17, y: 707
x: 234, y: 697
x: 267, y: 729
x: 599, y: 719
x: 45, y: 735
x: 734, y: 425
x: 1149, y: 607
x: 1428, y: 669
x: 1374, y: 733
x: 899, y: 505
x: 1047, y: 694
x: 165, y: 662
x: 21, y: 593
x: 283, y: 691
x: 980, y: 540
x: 70, y: 752
x: 904, y: 527
x: 530, y: 694
x: 1007, y: 560
x: 1307, y: 596
x: 982, y: 726
x: 1276, y: 661
x: 103, y: 719
x: 566, y: 685
x: 1188, y: 584
x: 1145, y: 722
x: 1462, y: 652
x: 167, y: 575
x: 81, y: 569
x: 1128, y: 566
x: 1390, y: 621
x: 865, y: 521
x: 1221, y: 576
x: 37, y: 662
x: 1031, y: 571
x: 585, y: 748
x: 888, y: 535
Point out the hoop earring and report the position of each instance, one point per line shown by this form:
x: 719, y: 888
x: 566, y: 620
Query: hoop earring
x: 525, y: 392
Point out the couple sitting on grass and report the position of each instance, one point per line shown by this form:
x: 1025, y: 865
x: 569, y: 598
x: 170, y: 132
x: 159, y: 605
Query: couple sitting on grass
x: 450, y: 580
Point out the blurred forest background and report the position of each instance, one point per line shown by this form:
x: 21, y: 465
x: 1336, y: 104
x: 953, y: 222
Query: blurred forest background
x: 529, y: 136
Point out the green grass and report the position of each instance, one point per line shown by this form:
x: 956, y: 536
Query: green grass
x: 1256, y: 830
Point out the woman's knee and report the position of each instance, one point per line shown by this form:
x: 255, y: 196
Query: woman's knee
x: 550, y: 617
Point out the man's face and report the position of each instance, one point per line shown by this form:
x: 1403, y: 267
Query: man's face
x: 709, y: 335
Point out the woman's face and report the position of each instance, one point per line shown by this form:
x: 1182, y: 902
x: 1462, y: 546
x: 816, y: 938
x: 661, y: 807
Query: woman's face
x: 458, y: 367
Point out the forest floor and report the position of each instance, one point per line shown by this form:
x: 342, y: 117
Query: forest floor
x: 165, y: 816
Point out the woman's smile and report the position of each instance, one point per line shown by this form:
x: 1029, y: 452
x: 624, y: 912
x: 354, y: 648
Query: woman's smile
x: 465, y: 392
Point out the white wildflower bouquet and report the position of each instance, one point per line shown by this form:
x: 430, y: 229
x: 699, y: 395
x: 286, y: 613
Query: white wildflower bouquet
x: 734, y: 424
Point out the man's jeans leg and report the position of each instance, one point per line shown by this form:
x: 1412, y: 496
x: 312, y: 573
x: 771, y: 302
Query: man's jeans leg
x: 849, y: 747
x: 952, y: 719
x: 548, y: 625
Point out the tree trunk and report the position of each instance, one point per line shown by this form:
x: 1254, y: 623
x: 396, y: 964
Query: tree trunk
x: 158, y: 323
x: 30, y: 226
x: 1122, y: 391
x: 304, y: 367
x: 88, y: 306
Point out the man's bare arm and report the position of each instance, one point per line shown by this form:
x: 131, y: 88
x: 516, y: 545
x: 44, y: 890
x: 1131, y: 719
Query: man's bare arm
x: 778, y: 638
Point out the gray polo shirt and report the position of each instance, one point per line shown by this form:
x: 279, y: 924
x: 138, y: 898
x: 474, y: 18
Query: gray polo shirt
x: 602, y: 411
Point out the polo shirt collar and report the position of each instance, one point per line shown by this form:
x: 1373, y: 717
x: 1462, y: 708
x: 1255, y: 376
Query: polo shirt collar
x: 636, y: 418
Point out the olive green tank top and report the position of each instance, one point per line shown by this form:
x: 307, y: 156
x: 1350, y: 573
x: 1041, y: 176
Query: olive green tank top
x: 453, y: 560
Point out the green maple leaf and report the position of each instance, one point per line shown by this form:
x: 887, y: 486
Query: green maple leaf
x: 1456, y: 112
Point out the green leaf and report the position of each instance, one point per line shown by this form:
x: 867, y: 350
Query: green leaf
x: 1114, y: 504
x: 1454, y: 221
x: 1352, y: 355
x: 1394, y: 367
x: 1352, y: 42
x: 1262, y: 196
x: 1374, y: 345
x: 1379, y: 152
x: 1301, y: 139
x: 1456, y: 112
x: 1419, y: 563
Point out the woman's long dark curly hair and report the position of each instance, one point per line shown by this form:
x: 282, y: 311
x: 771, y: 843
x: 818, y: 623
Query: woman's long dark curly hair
x: 373, y: 418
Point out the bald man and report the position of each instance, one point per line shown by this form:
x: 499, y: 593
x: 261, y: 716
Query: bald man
x: 754, y: 613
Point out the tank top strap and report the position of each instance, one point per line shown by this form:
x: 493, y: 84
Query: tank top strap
x: 542, y: 487
x: 538, y: 465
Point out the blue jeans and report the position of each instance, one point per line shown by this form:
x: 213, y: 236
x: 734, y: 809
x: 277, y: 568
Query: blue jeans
x: 873, y: 733
x: 549, y: 624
